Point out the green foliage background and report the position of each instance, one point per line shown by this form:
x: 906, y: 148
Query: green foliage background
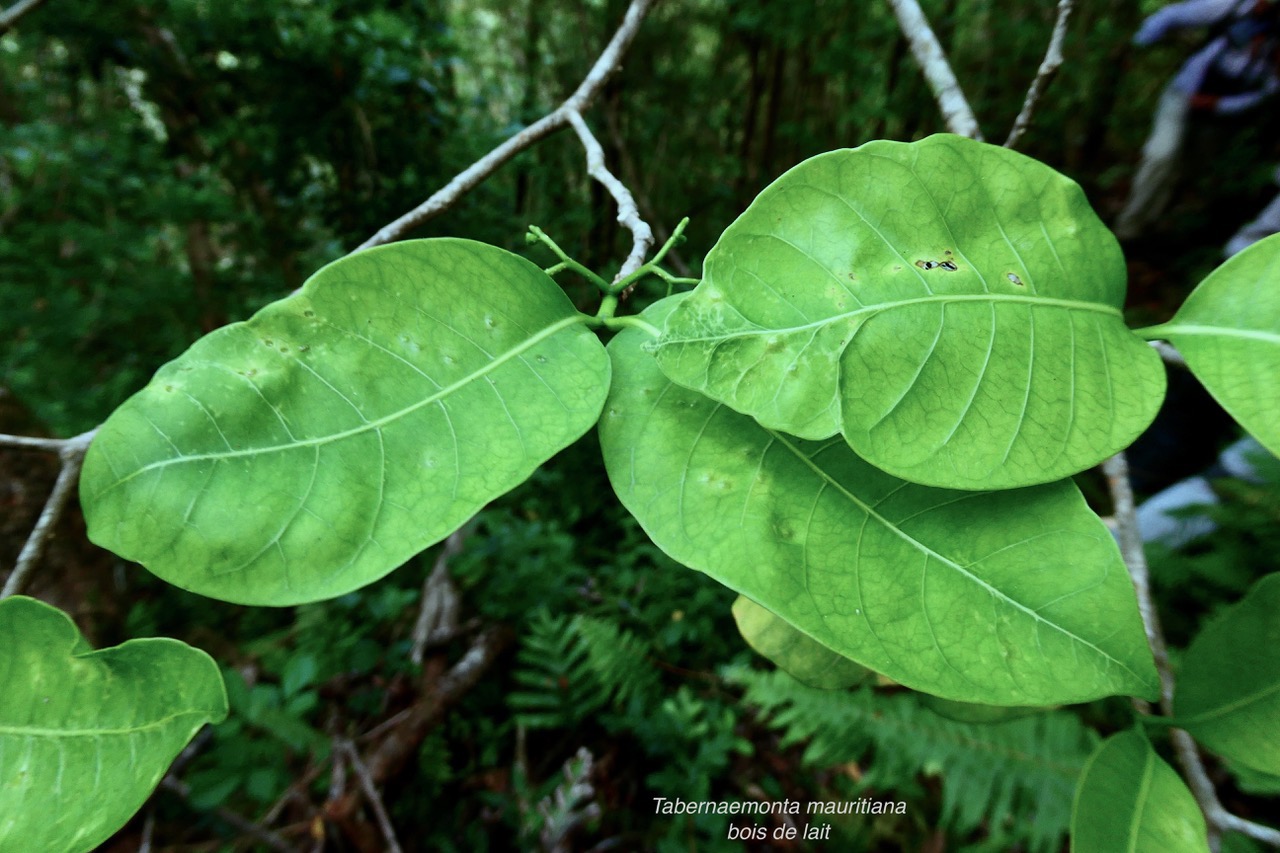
x: 172, y: 165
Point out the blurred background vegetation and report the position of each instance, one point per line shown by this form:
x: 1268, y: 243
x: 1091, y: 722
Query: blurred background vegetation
x: 168, y: 166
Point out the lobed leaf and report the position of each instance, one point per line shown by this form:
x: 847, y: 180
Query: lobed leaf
x: 86, y: 736
x: 1228, y: 330
x: 1228, y: 691
x: 1003, y: 598
x: 1129, y: 801
x: 952, y: 308
x: 314, y: 448
x: 793, y: 651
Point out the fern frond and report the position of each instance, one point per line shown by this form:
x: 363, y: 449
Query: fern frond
x: 557, y: 687
x: 1016, y: 776
x: 570, y: 667
x: 619, y: 659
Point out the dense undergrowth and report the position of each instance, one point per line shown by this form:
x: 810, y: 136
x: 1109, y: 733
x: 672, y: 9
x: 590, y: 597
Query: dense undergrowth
x: 149, y: 194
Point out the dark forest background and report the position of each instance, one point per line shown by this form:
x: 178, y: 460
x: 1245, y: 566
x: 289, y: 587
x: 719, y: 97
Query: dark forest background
x: 168, y: 167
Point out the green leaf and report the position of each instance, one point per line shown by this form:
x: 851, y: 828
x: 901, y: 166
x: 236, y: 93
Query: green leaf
x: 1001, y: 598
x: 314, y: 448
x: 1228, y: 330
x: 952, y: 308
x: 793, y: 651
x: 1128, y: 800
x: 1228, y: 692
x: 86, y: 736
x: 969, y: 712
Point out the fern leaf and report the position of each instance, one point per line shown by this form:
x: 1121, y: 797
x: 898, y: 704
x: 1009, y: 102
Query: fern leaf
x: 1017, y: 777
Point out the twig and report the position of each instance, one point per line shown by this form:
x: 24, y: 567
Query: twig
x: 148, y: 830
x: 403, y: 741
x: 1126, y: 524
x: 1048, y: 68
x: 241, y: 823
x: 371, y: 794
x: 628, y: 212
x: 438, y: 614
x: 1168, y: 353
x: 470, y: 178
x: 54, y: 444
x: 10, y: 16
x: 1130, y: 539
x: 71, y: 452
x: 932, y: 60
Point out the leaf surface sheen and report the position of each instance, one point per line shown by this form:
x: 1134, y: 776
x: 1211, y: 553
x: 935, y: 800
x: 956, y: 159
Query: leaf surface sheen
x: 1006, y: 598
x: 952, y: 308
x: 1228, y: 690
x: 317, y: 446
x: 1228, y: 330
x: 1128, y: 800
x: 85, y: 736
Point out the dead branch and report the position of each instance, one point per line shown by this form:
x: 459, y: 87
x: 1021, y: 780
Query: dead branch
x: 1048, y: 69
x: 9, y: 17
x: 71, y: 452
x: 1126, y: 527
x: 628, y: 213
x: 438, y: 613
x: 932, y: 60
x: 370, y: 790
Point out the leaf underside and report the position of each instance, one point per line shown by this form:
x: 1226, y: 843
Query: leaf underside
x: 1129, y: 801
x: 1228, y: 330
x: 86, y: 736
x: 792, y: 651
x: 952, y: 308
x: 1008, y: 598
x: 1228, y: 693
x: 317, y: 446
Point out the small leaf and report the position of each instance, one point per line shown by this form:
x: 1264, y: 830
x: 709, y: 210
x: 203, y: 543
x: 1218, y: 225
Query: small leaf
x: 793, y: 651
x: 1228, y: 330
x: 1004, y: 598
x: 86, y: 736
x: 314, y: 448
x: 1228, y: 692
x: 952, y: 308
x: 1129, y: 801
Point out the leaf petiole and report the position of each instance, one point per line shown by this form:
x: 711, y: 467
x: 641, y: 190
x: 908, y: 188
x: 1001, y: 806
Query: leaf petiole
x: 537, y: 235
x: 615, y: 324
x: 651, y: 266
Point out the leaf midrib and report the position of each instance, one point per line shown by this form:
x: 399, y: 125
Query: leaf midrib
x: 925, y: 549
x: 881, y: 307
x: 1198, y: 330
x: 44, y: 732
x: 440, y: 394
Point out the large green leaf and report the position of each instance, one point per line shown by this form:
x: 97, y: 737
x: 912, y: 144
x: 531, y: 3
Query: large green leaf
x: 1228, y: 692
x: 1130, y: 801
x: 1003, y: 598
x: 317, y: 446
x: 793, y: 651
x: 1228, y: 330
x: 953, y: 308
x: 85, y: 736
